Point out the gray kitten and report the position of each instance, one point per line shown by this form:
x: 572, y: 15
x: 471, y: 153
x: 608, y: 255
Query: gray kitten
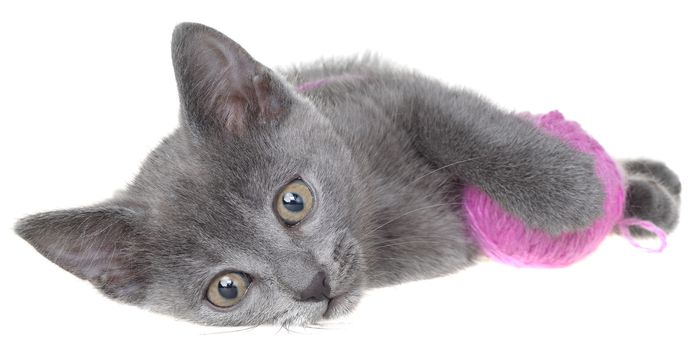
x: 279, y: 202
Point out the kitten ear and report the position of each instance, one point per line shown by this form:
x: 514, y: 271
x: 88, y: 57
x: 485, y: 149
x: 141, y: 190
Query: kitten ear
x: 222, y: 88
x: 95, y: 244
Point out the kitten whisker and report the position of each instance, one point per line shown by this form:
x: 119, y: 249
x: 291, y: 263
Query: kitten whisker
x: 443, y: 167
x: 289, y: 329
x: 319, y: 328
x: 330, y: 325
x: 409, y: 212
x: 373, y: 243
x: 416, y: 241
x: 232, y: 330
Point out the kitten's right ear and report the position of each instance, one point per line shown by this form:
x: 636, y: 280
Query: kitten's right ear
x: 222, y: 88
x: 96, y: 244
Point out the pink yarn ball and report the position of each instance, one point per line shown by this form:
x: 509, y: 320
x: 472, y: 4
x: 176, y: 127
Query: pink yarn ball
x: 507, y: 239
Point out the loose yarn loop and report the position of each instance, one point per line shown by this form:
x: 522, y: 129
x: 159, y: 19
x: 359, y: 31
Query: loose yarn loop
x: 311, y: 85
x: 624, y: 225
x: 508, y: 240
x: 315, y: 84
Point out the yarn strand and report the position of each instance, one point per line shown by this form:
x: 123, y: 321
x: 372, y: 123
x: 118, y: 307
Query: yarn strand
x: 624, y: 225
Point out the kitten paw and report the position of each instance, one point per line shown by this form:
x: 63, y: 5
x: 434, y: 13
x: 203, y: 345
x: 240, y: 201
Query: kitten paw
x: 653, y: 194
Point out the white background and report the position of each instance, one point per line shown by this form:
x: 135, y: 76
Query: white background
x: 88, y: 91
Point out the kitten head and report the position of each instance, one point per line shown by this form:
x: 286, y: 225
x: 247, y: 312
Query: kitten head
x: 245, y: 215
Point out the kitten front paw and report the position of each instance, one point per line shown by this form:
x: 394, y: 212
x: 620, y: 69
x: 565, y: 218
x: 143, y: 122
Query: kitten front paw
x: 558, y: 199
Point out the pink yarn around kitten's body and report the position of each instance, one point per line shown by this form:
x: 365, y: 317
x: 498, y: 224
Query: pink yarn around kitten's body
x: 508, y: 240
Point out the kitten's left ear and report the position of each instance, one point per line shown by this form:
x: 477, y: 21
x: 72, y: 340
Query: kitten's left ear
x: 96, y: 244
x: 222, y: 88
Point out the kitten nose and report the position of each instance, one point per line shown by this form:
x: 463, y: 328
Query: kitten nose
x: 317, y: 290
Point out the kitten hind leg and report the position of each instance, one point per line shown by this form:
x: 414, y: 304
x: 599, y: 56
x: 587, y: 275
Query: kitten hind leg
x: 653, y: 194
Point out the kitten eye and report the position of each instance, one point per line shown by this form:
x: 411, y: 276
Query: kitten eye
x: 294, y: 202
x: 228, y: 289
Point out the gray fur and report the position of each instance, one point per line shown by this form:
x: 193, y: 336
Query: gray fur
x: 653, y: 193
x: 386, y: 151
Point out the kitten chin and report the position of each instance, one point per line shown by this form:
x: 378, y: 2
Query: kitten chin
x: 342, y: 304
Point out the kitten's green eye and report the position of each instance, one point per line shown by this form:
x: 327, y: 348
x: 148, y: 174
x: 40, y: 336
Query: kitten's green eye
x: 228, y: 289
x: 294, y: 202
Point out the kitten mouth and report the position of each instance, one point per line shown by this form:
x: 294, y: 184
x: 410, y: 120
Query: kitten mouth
x: 338, y: 306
